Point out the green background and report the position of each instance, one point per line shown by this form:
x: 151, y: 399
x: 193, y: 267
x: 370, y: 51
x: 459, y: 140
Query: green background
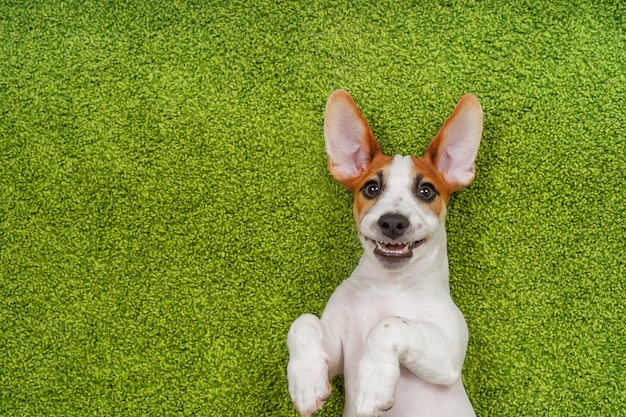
x: 166, y: 211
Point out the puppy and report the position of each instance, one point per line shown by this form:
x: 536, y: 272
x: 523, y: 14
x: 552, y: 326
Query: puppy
x: 391, y: 328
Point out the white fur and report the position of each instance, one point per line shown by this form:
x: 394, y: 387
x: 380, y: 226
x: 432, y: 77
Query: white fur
x: 394, y: 333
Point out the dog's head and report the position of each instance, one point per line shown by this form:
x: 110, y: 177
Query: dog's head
x: 400, y: 202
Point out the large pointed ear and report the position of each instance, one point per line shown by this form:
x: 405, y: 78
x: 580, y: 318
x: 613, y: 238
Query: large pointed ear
x: 350, y: 143
x: 454, y: 148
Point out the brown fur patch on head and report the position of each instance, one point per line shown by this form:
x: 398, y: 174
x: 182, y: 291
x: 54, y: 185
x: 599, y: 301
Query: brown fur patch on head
x: 379, y: 165
x: 424, y: 167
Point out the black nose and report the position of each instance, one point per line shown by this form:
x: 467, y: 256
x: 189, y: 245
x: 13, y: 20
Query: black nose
x: 393, y: 225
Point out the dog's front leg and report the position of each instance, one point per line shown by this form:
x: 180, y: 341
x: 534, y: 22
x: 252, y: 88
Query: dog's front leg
x: 428, y: 350
x: 314, y: 357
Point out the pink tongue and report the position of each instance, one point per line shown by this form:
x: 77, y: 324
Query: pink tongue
x: 395, y: 247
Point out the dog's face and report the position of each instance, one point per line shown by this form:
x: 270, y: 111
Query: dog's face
x: 399, y: 209
x: 400, y: 202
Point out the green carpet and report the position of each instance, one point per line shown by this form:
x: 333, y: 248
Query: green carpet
x: 166, y: 211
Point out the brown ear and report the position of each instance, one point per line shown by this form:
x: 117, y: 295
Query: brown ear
x: 350, y: 143
x: 454, y: 148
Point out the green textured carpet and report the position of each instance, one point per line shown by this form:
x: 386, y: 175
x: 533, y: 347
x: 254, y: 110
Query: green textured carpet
x: 166, y: 212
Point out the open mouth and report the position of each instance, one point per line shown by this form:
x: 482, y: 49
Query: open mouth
x: 396, y: 249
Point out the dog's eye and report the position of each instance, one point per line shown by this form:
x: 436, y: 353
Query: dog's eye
x: 370, y: 190
x: 426, y: 192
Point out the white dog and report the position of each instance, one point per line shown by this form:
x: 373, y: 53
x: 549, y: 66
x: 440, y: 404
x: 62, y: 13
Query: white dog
x: 391, y: 328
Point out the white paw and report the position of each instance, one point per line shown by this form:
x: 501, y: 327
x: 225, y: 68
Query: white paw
x: 376, y: 386
x: 308, y: 382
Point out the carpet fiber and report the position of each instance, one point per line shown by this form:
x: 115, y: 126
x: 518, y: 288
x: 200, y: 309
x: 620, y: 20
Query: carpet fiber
x: 166, y: 211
